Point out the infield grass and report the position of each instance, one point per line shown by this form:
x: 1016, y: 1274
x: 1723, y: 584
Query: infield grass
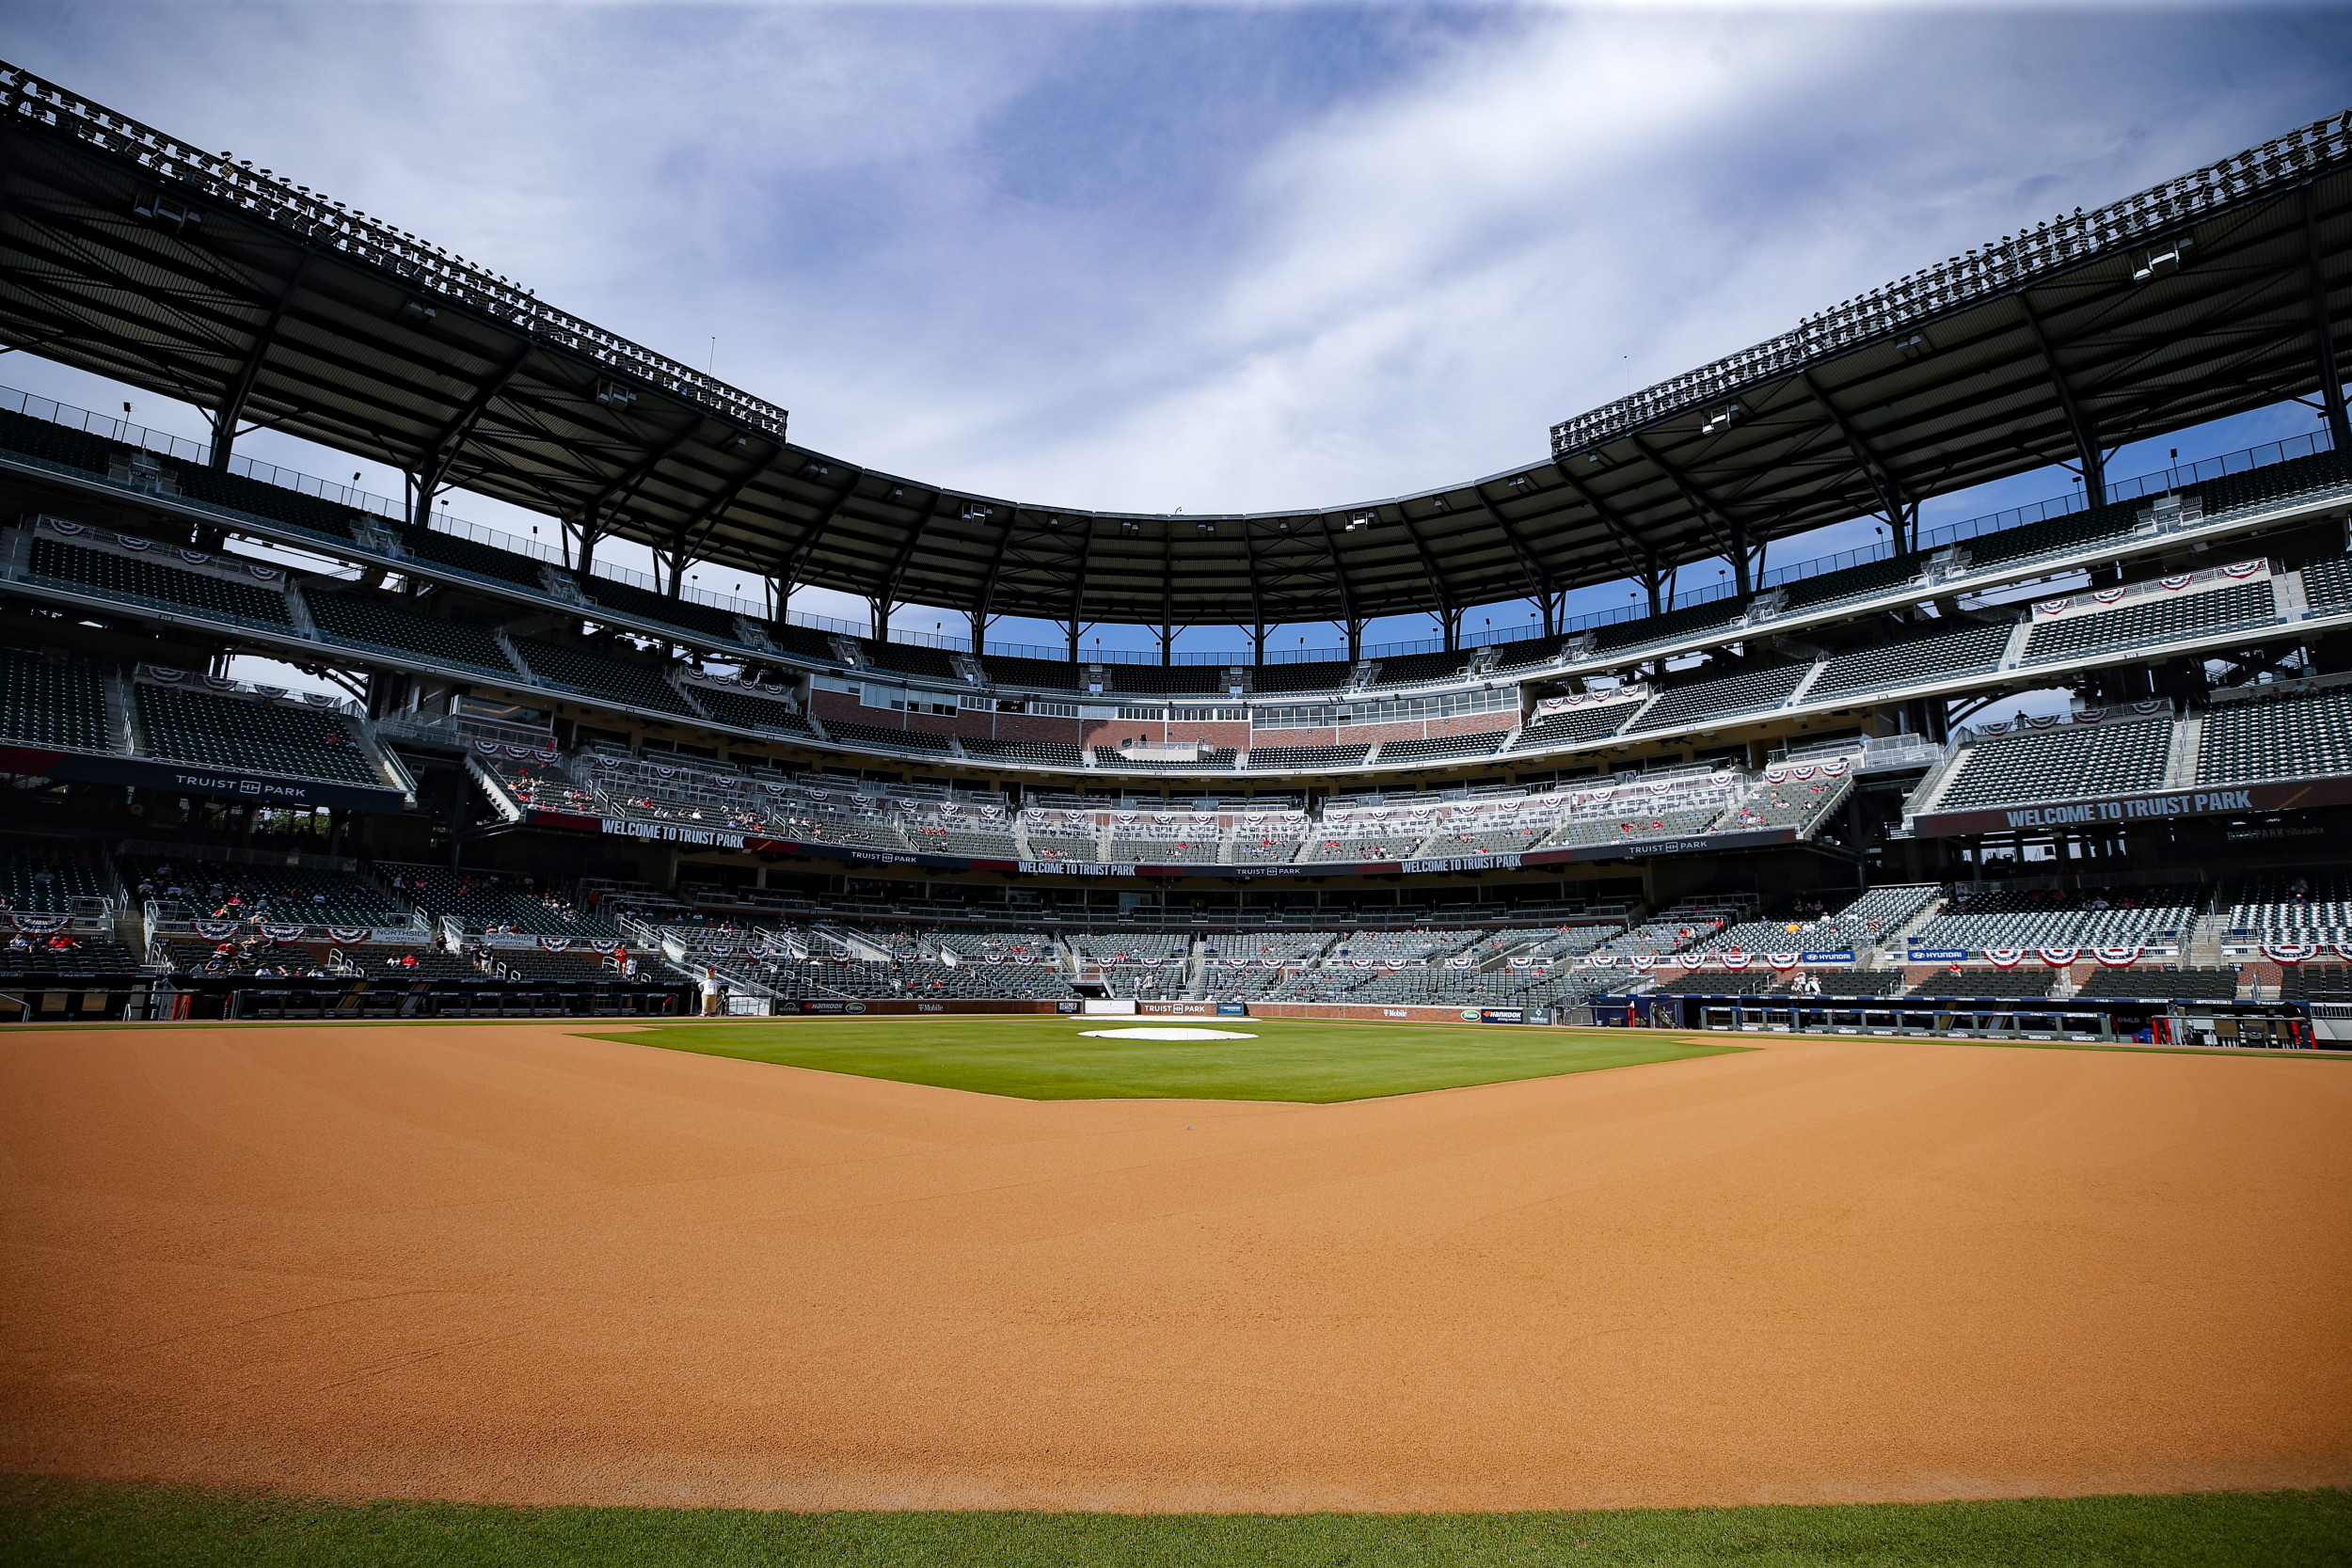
x: 50, y: 1522
x: 1049, y: 1057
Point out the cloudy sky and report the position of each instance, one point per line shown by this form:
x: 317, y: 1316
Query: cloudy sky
x: 1230, y: 258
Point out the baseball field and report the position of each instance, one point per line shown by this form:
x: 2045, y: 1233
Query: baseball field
x: 1004, y: 1291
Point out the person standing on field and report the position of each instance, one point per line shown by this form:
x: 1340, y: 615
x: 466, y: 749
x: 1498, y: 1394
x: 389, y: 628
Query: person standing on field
x: 710, y: 994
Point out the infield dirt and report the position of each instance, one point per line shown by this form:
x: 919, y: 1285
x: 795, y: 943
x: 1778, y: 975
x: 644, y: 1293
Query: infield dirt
x: 510, y: 1262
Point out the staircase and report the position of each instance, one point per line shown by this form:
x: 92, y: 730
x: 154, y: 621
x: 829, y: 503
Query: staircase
x: 121, y: 732
x: 2180, y: 764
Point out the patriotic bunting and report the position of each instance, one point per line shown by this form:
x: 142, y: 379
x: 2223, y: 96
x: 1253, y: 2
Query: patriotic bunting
x: 2289, y: 952
x: 2059, y: 958
x: 2004, y: 958
x: 41, y: 925
x: 2116, y: 957
x: 348, y: 933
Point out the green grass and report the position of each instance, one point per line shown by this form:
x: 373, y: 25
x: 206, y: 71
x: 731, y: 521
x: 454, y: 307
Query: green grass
x: 69, y: 1522
x: 1049, y: 1058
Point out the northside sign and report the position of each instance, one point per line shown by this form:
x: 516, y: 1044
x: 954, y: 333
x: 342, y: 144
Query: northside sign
x: 2152, y: 806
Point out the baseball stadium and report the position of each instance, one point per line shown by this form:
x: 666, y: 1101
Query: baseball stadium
x: 627, y: 1073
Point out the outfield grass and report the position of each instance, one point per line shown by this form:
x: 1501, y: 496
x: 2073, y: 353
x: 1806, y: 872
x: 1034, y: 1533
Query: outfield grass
x: 1049, y: 1058
x: 67, y: 1523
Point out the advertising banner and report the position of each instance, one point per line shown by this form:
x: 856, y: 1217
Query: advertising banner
x: 2154, y: 806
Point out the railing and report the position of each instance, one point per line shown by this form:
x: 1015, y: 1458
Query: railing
x: 1996, y: 269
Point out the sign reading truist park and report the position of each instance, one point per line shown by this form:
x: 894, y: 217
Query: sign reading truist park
x: 187, y: 778
x: 2151, y: 806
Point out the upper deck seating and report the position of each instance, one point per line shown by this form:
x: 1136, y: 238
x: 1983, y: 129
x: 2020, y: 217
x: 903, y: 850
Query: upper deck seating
x: 104, y: 574
x: 467, y: 555
x: 626, y: 599
x: 1043, y: 673
x: 1933, y: 655
x: 56, y: 443
x: 1749, y: 691
x: 908, y: 658
x: 1328, y: 674
x: 1415, y: 669
x: 2151, y: 619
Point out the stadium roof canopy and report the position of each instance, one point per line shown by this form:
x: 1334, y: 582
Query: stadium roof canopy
x: 128, y: 252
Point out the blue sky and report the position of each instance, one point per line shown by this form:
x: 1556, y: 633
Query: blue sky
x: 1160, y: 256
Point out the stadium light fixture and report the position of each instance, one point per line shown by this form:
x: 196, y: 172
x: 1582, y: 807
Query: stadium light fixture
x: 1720, y: 419
x: 1914, y: 347
x: 613, y: 395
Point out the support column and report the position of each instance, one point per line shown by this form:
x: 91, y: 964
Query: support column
x: 1739, y: 560
x: 1257, y: 642
x: 1354, y: 639
x: 2324, y: 334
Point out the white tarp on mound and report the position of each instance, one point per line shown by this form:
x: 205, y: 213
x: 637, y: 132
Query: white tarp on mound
x: 1150, y: 1032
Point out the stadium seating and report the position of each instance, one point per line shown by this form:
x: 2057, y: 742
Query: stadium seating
x: 2023, y: 983
x: 149, y: 581
x: 1749, y: 691
x: 1173, y: 680
x: 1291, y: 758
x: 801, y: 641
x: 1054, y: 753
x: 1444, y: 746
x: 2275, y: 910
x: 1528, y: 651
x: 243, y: 891
x: 1412, y: 669
x: 601, y: 675
x: 2162, y: 985
x: 378, y: 624
x: 2290, y: 737
x: 1043, y: 673
x: 2068, y: 762
x: 706, y: 621
x: 1673, y: 626
x: 278, y: 504
x: 2152, y: 619
x: 487, y: 900
x: 878, y: 735
x: 1851, y: 582
x: 254, y: 736
x: 45, y: 876
x: 467, y: 555
x: 86, y: 955
x: 2327, y: 584
x: 1935, y: 655
x: 906, y: 659
x: 56, y: 443
x: 1575, y: 727
x: 1310, y: 675
x: 52, y: 702
x: 747, y: 710
x: 1979, y: 919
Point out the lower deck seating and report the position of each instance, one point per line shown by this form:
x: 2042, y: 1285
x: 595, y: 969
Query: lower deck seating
x: 378, y: 624
x: 2163, y: 985
x: 1308, y: 756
